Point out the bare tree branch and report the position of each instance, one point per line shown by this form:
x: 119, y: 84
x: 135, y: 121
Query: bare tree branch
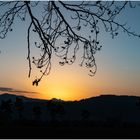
x: 66, y: 22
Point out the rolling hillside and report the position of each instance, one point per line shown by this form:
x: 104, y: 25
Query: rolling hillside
x: 102, y: 108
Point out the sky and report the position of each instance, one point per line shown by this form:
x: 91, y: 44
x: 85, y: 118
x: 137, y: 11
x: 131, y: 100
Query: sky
x: 118, y: 67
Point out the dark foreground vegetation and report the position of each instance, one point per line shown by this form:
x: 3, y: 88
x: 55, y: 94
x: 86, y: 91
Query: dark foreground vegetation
x: 105, y: 116
x: 69, y: 130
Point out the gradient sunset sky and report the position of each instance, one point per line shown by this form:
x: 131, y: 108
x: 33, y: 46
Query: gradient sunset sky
x: 118, y: 66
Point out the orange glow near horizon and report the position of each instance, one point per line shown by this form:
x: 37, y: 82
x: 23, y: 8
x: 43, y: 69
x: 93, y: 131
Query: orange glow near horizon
x: 60, y: 93
x: 61, y: 90
x: 66, y: 83
x: 71, y: 83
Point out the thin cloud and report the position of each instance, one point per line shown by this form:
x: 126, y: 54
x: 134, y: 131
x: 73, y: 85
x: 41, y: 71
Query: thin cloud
x: 20, y: 91
x: 7, y: 89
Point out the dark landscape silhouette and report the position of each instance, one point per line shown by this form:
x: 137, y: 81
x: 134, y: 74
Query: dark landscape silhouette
x: 64, y: 33
x: 104, y: 116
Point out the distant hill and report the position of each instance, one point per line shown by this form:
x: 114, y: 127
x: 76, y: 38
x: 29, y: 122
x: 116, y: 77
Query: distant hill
x: 101, y: 108
x: 6, y: 96
x: 104, y: 116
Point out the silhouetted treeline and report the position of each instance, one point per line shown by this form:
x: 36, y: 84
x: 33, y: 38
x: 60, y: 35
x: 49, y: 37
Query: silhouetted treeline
x: 99, y: 114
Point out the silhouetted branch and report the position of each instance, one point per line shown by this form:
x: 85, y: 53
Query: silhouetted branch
x: 76, y: 25
x: 29, y: 58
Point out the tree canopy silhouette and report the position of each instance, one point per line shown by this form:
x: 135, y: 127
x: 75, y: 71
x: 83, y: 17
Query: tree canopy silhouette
x: 76, y: 25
